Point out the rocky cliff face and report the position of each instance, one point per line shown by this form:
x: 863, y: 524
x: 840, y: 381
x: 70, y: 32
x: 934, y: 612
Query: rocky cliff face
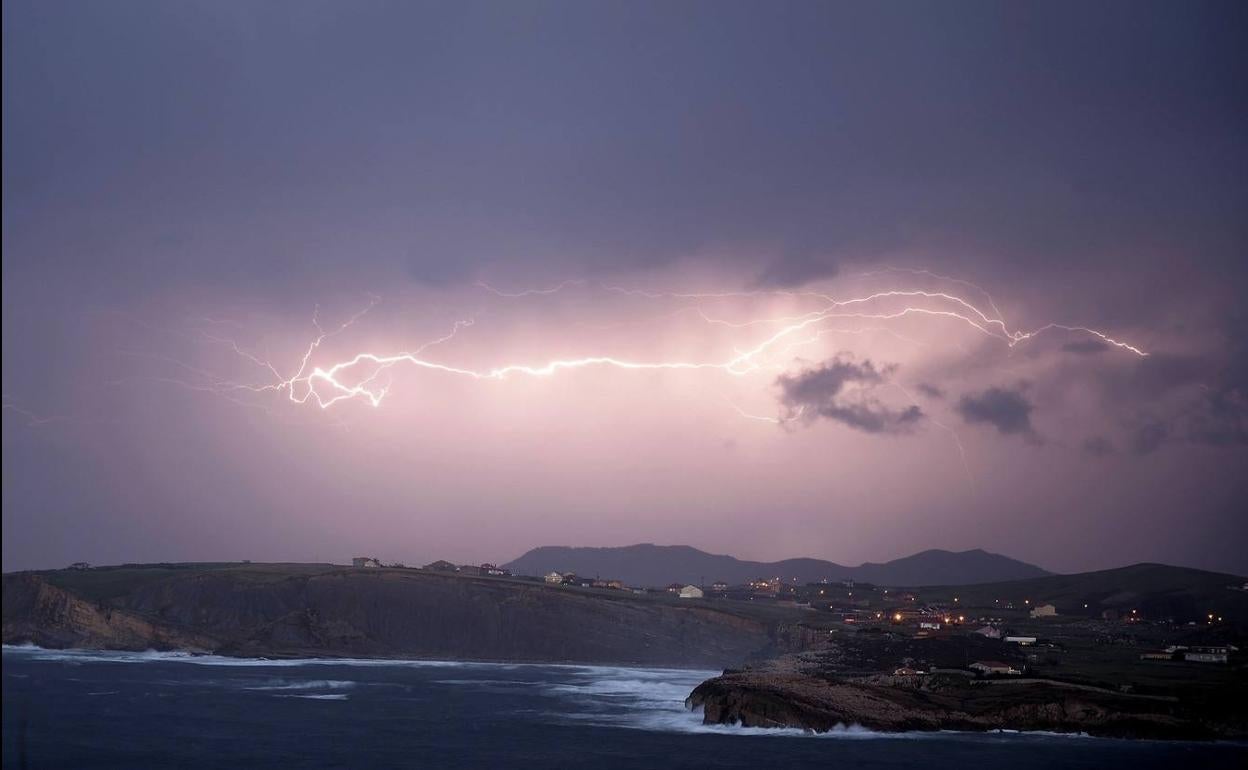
x: 393, y: 613
x: 772, y: 698
x: 39, y: 613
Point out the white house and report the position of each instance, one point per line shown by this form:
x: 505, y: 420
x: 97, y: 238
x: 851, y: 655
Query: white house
x: 364, y: 561
x: 1044, y: 611
x: 554, y: 578
x: 993, y: 667
x: 690, y: 592
x: 1207, y: 655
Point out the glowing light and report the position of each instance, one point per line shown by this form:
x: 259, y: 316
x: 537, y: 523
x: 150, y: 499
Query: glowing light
x: 363, y: 375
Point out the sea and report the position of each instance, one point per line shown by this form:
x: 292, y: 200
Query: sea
x: 79, y: 709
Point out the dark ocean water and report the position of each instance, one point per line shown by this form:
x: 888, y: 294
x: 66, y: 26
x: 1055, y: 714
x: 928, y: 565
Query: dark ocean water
x: 147, y: 710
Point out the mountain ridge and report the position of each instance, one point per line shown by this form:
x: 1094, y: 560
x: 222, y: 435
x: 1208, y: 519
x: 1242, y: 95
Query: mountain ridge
x: 648, y: 564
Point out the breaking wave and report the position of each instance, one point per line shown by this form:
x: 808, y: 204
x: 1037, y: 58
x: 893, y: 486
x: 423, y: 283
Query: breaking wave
x: 649, y: 699
x: 205, y: 659
x: 312, y: 684
x: 654, y: 700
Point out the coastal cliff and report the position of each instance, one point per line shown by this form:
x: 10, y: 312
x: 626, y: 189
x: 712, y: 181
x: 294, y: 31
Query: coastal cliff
x: 40, y: 613
x: 265, y: 611
x: 816, y: 704
x: 790, y: 693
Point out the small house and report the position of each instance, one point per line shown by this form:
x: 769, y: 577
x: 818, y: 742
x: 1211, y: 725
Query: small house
x: 993, y: 667
x: 1044, y: 611
x: 1207, y: 655
x: 690, y: 592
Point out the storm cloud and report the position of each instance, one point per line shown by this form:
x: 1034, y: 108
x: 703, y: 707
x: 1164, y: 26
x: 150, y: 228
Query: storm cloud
x: 178, y: 173
x: 1086, y: 347
x: 1007, y: 410
x: 1098, y: 446
x: 1171, y: 399
x: 839, y: 390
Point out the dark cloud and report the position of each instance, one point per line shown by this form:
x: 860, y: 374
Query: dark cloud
x: 797, y: 266
x: 787, y: 274
x: 1083, y: 162
x: 1008, y: 411
x: 1086, y: 347
x: 821, y: 392
x: 1179, y: 398
x: 1098, y: 446
x: 1214, y: 417
x: 1160, y: 373
x: 1219, y: 419
x: 930, y: 390
x: 1148, y: 435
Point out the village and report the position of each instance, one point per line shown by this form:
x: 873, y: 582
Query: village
x: 1018, y: 636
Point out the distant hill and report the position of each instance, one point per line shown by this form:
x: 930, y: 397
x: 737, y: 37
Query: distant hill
x: 1155, y: 590
x: 656, y: 565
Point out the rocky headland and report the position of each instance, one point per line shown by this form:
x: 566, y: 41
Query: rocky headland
x: 807, y: 691
x: 327, y: 611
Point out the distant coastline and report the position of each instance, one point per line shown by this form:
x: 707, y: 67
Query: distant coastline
x: 749, y: 709
x: 196, y: 657
x: 826, y: 654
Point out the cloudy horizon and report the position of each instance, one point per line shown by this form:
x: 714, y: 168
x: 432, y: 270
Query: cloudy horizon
x: 304, y: 281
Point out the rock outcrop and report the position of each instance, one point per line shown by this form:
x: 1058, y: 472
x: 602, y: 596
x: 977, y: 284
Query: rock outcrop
x: 40, y: 613
x: 772, y: 698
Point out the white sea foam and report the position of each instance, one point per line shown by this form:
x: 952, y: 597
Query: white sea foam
x: 650, y: 699
x: 481, y: 681
x: 204, y: 659
x: 155, y: 656
x: 654, y: 700
x: 313, y: 684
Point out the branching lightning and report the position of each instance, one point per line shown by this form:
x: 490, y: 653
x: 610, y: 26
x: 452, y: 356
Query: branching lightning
x: 365, y: 375
x: 32, y: 418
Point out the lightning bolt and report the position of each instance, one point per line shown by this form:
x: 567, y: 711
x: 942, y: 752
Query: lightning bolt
x: 364, y: 375
x: 32, y: 418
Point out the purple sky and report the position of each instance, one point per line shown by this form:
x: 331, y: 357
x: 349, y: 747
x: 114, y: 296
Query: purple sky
x: 703, y: 211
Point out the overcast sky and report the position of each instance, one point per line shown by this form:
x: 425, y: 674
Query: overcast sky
x: 194, y: 192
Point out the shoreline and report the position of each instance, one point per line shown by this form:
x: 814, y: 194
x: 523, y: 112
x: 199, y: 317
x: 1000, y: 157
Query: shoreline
x: 822, y: 701
x: 314, y: 660
x: 838, y: 731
